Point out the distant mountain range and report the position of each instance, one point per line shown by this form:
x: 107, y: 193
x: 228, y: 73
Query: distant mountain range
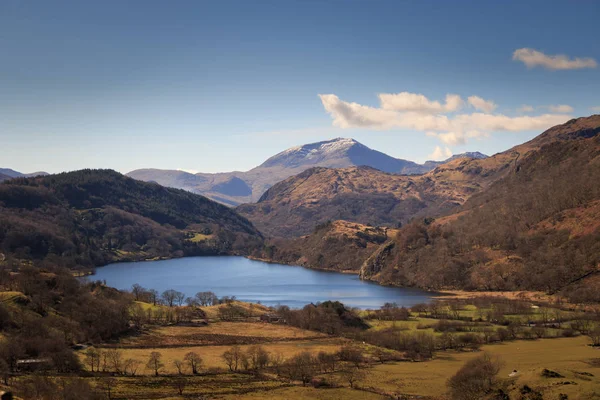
x: 237, y: 187
x: 7, y: 173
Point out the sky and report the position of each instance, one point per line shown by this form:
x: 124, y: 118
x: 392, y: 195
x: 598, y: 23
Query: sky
x: 213, y: 86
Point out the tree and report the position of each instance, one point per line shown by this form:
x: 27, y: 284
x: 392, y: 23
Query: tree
x: 169, y: 296
x: 137, y: 291
x: 233, y: 358
x: 180, y: 384
x: 206, y: 298
x: 353, y: 375
x: 301, y: 367
x: 107, y: 384
x: 115, y: 359
x: 595, y: 336
x: 180, y: 297
x: 475, y: 379
x: 258, y: 357
x: 191, y: 302
x: 153, y: 294
x: 92, y: 359
x: 179, y: 365
x: 154, y: 362
x: 131, y: 366
x: 194, y: 360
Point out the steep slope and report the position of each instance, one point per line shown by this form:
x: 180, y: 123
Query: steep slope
x: 356, y: 194
x: 337, y: 246
x: 237, y: 187
x: 92, y: 217
x: 534, y: 228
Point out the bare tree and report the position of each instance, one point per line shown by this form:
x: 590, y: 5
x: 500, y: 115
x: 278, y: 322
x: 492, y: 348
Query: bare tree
x: 131, y: 366
x: 107, y: 384
x: 137, y: 291
x: 115, y: 359
x: 179, y: 365
x: 92, y: 359
x: 194, y: 360
x: 206, y: 298
x: 154, y: 362
x: 233, y: 358
x: 353, y: 375
x: 180, y: 384
x: 169, y: 296
x: 180, y: 297
x: 153, y: 294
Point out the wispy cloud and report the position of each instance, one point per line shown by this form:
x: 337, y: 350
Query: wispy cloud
x: 525, y: 108
x: 451, y: 128
x: 560, y: 108
x: 482, y: 105
x: 533, y: 58
x: 415, y: 102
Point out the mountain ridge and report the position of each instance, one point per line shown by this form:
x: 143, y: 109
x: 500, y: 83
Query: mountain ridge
x: 234, y: 188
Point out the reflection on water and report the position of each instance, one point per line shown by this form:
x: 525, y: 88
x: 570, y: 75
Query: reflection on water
x: 249, y: 280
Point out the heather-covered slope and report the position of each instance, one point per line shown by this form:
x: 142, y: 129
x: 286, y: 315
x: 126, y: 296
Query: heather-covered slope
x: 91, y: 217
x: 534, y: 228
x: 337, y: 246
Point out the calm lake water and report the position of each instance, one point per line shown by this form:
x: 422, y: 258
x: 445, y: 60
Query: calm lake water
x: 249, y: 280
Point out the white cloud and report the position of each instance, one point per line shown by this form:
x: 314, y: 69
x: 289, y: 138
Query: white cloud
x: 414, y: 102
x: 451, y: 130
x: 525, y: 108
x: 481, y: 104
x: 440, y: 154
x: 533, y: 58
x: 595, y: 109
x: 560, y: 108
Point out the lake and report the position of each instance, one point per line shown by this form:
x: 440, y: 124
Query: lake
x: 256, y: 281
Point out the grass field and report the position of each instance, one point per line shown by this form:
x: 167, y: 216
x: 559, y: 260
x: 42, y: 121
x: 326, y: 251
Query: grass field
x: 211, y: 355
x: 306, y: 393
x: 569, y: 356
x: 258, y: 329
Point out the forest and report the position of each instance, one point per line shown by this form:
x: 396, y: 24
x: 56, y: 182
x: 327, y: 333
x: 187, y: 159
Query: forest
x: 89, y: 218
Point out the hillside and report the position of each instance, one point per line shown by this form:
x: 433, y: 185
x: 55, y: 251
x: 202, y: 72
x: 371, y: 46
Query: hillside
x: 233, y: 188
x: 368, y: 196
x: 338, y: 246
x: 7, y: 173
x: 535, y: 228
x: 92, y: 217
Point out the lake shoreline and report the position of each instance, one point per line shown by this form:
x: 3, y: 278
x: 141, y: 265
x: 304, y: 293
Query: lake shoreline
x: 437, y: 294
x: 257, y: 281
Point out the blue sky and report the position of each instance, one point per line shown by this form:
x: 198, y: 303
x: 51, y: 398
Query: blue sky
x: 220, y: 86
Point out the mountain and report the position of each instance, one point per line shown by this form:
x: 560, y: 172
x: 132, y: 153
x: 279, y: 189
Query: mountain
x: 537, y: 227
x: 7, y: 173
x: 92, y: 217
x: 237, y: 187
x: 532, y: 222
x: 362, y: 195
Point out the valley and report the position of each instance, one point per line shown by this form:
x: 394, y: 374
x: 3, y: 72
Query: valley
x: 509, y: 241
